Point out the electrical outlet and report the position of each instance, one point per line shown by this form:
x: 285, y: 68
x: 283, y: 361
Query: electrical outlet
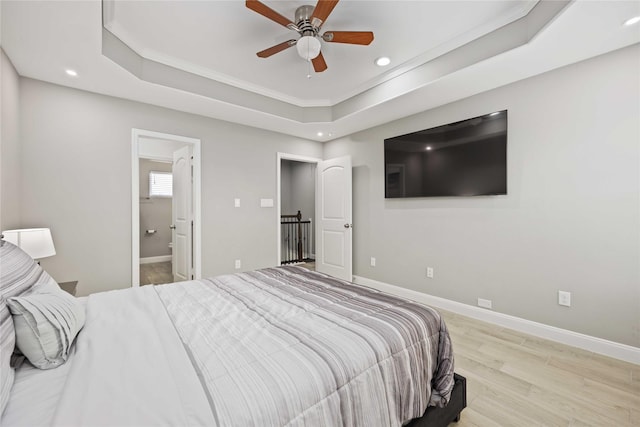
x: 564, y: 298
x: 236, y: 203
x: 238, y: 264
x: 484, y: 303
x: 373, y: 262
x: 430, y: 272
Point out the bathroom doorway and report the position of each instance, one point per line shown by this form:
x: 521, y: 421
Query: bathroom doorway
x: 166, y: 244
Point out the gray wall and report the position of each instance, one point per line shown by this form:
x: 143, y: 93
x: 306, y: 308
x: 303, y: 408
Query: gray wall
x: 298, y: 188
x: 92, y: 229
x: 155, y: 213
x: 570, y: 221
x: 9, y: 145
x: 303, y: 189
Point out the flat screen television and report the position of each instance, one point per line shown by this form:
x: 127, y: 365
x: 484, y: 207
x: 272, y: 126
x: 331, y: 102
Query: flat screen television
x: 465, y: 158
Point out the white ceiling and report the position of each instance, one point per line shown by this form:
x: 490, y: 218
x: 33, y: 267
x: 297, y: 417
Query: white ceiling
x: 220, y: 39
x: 200, y: 57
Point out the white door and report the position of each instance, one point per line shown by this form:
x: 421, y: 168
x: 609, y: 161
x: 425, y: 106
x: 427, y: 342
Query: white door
x: 181, y: 215
x: 333, y: 218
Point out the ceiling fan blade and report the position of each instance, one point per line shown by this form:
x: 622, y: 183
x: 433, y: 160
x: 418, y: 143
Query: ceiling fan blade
x: 318, y: 63
x: 350, y: 37
x: 322, y: 11
x: 275, y: 49
x: 267, y: 12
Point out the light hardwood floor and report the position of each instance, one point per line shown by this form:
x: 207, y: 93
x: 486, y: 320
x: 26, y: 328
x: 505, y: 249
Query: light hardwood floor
x: 311, y: 265
x: 514, y: 379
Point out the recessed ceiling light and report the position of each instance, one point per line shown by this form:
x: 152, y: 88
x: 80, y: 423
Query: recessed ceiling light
x: 428, y: 148
x: 382, y: 61
x: 632, y: 21
x: 72, y: 73
x: 320, y: 133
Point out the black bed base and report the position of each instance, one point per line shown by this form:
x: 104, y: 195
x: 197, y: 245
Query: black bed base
x: 441, y: 417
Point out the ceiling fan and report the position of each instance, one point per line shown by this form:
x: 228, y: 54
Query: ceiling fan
x: 308, y: 21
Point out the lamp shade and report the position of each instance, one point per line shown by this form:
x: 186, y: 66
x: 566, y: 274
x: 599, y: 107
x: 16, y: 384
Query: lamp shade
x: 36, y: 242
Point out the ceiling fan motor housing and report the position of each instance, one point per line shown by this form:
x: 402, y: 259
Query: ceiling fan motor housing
x: 308, y: 45
x: 303, y: 21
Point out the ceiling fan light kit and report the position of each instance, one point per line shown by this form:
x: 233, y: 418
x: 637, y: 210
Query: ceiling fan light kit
x: 308, y: 47
x: 308, y: 22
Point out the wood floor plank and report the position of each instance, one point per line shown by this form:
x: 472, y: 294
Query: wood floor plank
x: 635, y: 416
x: 615, y: 376
x: 511, y: 410
x: 564, y: 383
x: 491, y: 377
x: 472, y: 418
x: 612, y: 395
x: 578, y: 411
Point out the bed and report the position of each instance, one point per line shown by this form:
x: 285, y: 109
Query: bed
x: 272, y: 347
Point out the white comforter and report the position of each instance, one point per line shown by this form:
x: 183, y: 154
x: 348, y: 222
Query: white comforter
x: 130, y: 368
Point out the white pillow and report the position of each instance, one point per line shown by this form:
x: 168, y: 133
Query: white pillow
x: 46, y: 325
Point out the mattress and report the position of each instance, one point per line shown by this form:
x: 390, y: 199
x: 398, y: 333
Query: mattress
x: 273, y: 347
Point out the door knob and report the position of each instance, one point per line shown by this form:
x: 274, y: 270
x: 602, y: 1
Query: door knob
x: 173, y: 227
x: 348, y: 226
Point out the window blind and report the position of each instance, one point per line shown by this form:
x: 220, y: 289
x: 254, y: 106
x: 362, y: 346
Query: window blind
x: 160, y: 184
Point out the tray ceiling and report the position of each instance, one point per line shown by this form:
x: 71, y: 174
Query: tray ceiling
x: 200, y: 56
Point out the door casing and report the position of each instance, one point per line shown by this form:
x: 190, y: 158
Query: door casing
x: 139, y: 136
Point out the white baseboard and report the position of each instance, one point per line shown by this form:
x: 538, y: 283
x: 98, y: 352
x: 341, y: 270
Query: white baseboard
x: 586, y: 342
x: 152, y: 259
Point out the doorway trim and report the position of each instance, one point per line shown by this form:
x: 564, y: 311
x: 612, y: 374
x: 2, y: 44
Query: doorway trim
x: 280, y: 158
x: 136, y: 136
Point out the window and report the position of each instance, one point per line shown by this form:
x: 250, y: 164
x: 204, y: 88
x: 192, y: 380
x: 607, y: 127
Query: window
x: 160, y: 184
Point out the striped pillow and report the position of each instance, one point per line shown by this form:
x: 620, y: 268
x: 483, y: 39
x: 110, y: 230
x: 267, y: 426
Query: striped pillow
x: 19, y: 273
x: 46, y: 325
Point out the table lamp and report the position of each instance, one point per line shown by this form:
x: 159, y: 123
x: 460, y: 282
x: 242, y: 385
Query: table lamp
x: 36, y: 242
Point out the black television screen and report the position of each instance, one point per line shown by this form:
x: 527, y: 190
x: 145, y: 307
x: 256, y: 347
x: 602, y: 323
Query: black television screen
x: 466, y: 158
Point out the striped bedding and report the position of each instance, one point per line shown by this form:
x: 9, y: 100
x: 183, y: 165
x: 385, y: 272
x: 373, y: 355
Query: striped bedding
x: 275, y: 347
x: 19, y: 275
x: 287, y: 346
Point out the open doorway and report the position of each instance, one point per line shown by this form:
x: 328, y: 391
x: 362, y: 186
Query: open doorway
x: 156, y: 240
x: 165, y: 220
x: 333, y: 230
x: 296, y: 210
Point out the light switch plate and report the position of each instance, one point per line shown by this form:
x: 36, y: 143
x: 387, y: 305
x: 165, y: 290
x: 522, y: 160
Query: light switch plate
x: 266, y: 203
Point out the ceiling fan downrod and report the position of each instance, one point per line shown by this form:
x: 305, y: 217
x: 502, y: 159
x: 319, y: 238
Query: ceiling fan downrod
x: 303, y: 21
